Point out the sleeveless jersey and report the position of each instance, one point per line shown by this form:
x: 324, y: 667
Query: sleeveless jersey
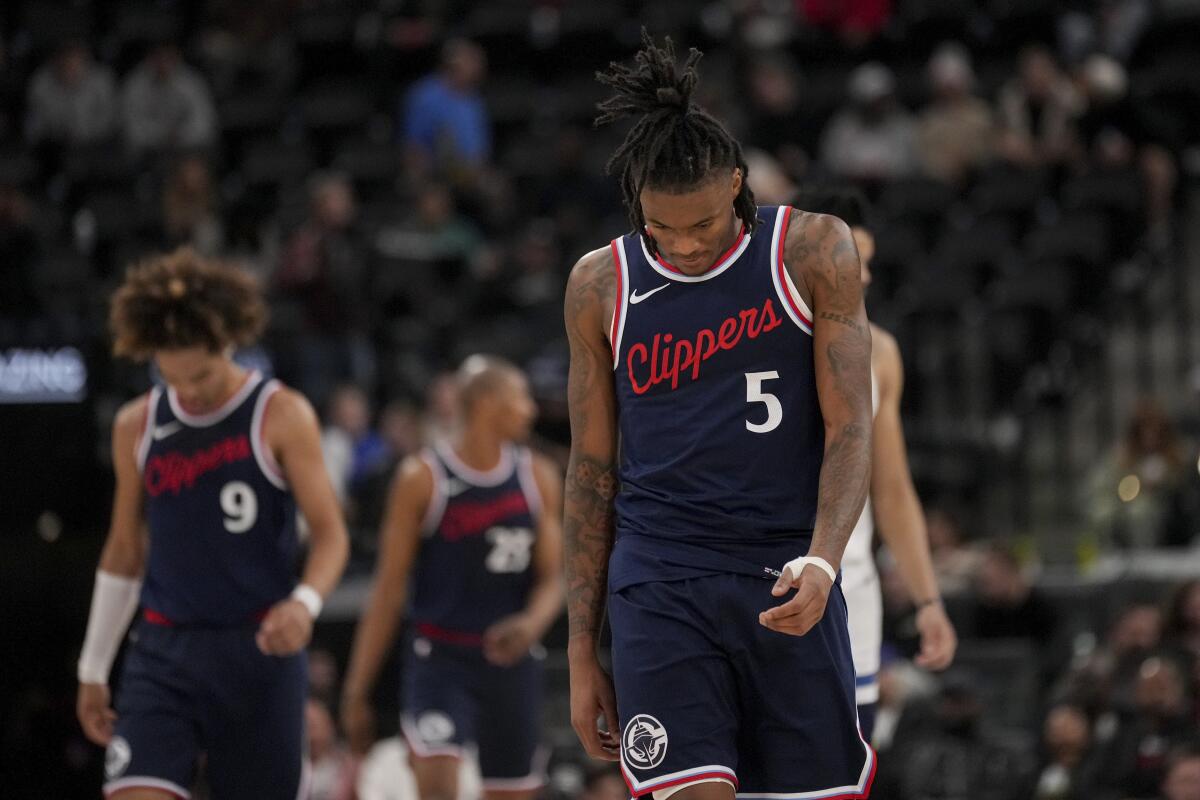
x: 721, y: 434
x: 221, y: 518
x: 475, y: 562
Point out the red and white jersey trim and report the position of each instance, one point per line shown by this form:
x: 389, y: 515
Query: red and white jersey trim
x: 528, y: 481
x: 213, y: 417
x: 789, y: 296
x: 147, y: 438
x: 621, y: 303
x: 437, y: 500
x: 727, y: 260
x: 262, y: 451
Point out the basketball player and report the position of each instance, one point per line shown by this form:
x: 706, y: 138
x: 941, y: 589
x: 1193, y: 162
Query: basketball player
x: 476, y: 522
x: 726, y: 343
x: 893, y: 501
x: 209, y: 471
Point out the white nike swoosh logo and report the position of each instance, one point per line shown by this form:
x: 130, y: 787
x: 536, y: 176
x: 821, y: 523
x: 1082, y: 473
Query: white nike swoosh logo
x: 163, y: 431
x: 636, y: 298
x: 455, y: 487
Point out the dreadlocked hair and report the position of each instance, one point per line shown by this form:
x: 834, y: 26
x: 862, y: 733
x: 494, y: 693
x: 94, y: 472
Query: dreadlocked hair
x: 181, y: 300
x: 675, y: 144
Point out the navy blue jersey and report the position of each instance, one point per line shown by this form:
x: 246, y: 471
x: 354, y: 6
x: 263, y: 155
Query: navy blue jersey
x: 475, y: 562
x: 721, y: 434
x: 222, y: 521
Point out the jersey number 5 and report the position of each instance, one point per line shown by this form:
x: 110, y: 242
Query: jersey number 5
x: 755, y: 394
x: 510, y: 549
x: 240, y: 505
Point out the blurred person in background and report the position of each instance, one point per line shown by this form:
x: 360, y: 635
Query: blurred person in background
x: 20, y: 254
x: 1036, y: 111
x: 1006, y: 604
x: 892, y: 506
x: 474, y: 523
x: 445, y: 124
x: 441, y: 419
x: 72, y: 100
x: 1135, y: 760
x: 322, y: 276
x: 955, y: 131
x: 333, y: 772
x: 190, y: 215
x: 354, y: 449
x: 1182, y: 779
x: 166, y: 104
x: 779, y: 122
x: 1134, y: 492
x: 1067, y: 765
x: 954, y: 562
x: 873, y: 137
x: 1182, y: 628
x: 215, y: 466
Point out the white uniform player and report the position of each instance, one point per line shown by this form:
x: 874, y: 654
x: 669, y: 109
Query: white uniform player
x: 864, y: 601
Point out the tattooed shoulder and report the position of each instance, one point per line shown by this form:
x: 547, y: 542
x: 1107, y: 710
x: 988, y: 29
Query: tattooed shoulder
x: 592, y: 283
x: 821, y: 255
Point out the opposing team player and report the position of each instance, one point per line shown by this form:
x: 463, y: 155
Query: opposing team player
x: 209, y: 471
x: 892, y: 503
x: 475, y: 522
x: 727, y: 345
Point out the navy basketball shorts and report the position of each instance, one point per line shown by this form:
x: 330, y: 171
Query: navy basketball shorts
x: 187, y: 691
x: 453, y: 697
x: 706, y: 692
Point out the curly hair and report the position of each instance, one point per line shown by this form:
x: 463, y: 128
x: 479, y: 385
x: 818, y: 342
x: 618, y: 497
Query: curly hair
x: 674, y: 144
x: 180, y: 300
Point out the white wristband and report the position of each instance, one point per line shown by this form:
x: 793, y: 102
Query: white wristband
x: 797, y: 565
x: 114, y: 600
x: 310, y: 598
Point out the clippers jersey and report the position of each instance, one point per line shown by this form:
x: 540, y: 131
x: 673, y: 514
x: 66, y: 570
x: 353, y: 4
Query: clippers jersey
x: 221, y: 518
x: 721, y: 433
x: 475, y: 562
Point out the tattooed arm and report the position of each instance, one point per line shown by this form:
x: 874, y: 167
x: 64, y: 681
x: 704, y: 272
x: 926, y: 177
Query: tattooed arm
x: 820, y: 255
x: 590, y: 487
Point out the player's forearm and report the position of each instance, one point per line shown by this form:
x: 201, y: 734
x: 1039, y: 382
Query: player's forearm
x: 545, y: 603
x: 587, y: 544
x: 329, y: 549
x: 124, y: 556
x: 842, y: 491
x: 902, y: 528
x: 376, y: 631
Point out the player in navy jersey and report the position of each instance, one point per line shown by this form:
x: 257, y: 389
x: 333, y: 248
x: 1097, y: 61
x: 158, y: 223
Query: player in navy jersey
x: 210, y: 469
x: 474, y: 524
x: 720, y: 406
x: 893, y: 501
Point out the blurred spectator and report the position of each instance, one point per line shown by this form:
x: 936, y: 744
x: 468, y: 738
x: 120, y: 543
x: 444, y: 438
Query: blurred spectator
x: 1006, y: 604
x: 249, y: 44
x: 445, y: 123
x: 323, y: 276
x: 903, y: 687
x: 400, y: 427
x: 1037, y: 111
x: 1067, y: 765
x: 166, y: 104
x: 441, y: 408
x: 1182, y: 779
x: 856, y: 22
x: 189, y: 208
x: 1111, y: 27
x: 960, y: 759
x: 332, y: 772
x: 779, y: 120
x: 1117, y: 133
x: 20, y: 251
x: 72, y: 99
x: 772, y: 186
x: 353, y: 450
x: 873, y: 137
x: 1182, y: 629
x: 955, y: 132
x: 953, y: 561
x: 1134, y: 494
x: 323, y: 676
x: 1135, y: 761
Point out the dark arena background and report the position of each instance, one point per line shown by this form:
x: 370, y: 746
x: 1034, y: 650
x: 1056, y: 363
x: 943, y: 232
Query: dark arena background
x: 1032, y: 170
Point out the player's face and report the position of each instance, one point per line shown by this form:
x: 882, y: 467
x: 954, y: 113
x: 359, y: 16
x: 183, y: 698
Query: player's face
x: 693, y: 229
x: 199, y: 377
x: 516, y: 409
x: 865, y: 242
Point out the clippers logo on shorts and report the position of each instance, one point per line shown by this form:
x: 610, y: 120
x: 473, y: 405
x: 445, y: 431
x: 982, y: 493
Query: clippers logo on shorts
x: 435, y: 727
x: 644, y: 743
x: 117, y: 758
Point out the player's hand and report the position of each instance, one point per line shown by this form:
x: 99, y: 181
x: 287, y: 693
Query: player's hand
x: 286, y: 629
x: 592, y: 696
x: 94, y: 708
x: 938, y: 640
x: 358, y: 723
x: 508, y: 640
x: 804, y: 610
